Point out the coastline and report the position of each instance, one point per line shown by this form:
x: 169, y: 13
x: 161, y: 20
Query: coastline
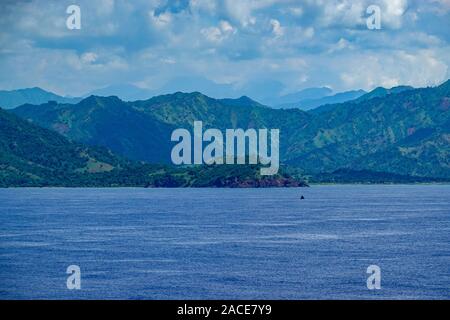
x: 309, y: 185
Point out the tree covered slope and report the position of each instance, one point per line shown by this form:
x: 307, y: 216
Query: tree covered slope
x: 36, y: 157
x: 402, y: 131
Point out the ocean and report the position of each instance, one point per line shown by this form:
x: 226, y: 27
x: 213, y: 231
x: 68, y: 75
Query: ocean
x: 132, y: 243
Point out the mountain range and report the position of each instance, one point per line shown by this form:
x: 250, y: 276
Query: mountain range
x: 32, y: 156
x: 14, y: 98
x: 306, y: 99
x: 381, y: 92
x: 312, y: 103
x: 403, y: 132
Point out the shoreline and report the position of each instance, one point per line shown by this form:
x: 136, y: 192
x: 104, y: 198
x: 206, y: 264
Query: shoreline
x: 230, y: 188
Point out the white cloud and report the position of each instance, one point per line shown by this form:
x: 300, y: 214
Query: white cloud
x: 388, y: 69
x: 244, y: 11
x: 160, y: 20
x: 89, y: 57
x: 342, y: 44
x: 220, y: 33
x: 393, y: 12
x: 226, y: 27
x: 277, y: 29
x: 212, y: 34
x: 168, y: 61
x: 296, y: 11
x: 345, y: 13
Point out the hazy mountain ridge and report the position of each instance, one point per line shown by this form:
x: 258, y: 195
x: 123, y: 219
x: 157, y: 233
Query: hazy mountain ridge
x: 305, y: 99
x: 296, y: 97
x: 380, y: 133
x: 14, y: 98
x: 381, y: 92
x: 309, y: 104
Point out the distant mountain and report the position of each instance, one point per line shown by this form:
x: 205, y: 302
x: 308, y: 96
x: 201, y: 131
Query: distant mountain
x: 126, y: 92
x: 15, y: 98
x: 308, y: 104
x: 306, y: 94
x: 193, y: 83
x: 36, y: 157
x: 130, y: 92
x: 325, y: 99
x: 265, y: 91
x: 294, y: 98
x: 403, y: 133
x: 357, y: 176
x: 242, y: 101
x: 357, y: 97
x: 381, y: 92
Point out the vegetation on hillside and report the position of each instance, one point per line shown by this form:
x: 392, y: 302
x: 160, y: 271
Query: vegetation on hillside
x: 31, y: 156
x: 402, y: 131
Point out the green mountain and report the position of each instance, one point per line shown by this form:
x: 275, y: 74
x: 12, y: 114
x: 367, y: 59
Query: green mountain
x: 383, y: 134
x: 15, y: 98
x: 31, y: 155
x: 403, y: 132
x: 108, y: 122
x: 36, y: 157
x: 141, y: 130
x: 381, y: 92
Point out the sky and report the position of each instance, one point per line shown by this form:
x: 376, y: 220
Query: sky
x: 223, y: 47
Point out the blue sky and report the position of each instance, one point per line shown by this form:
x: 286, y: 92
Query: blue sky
x: 223, y: 47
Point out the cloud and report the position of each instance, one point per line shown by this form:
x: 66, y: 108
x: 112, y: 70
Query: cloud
x: 342, y: 44
x: 219, y: 33
x: 389, y: 69
x: 277, y: 29
x: 160, y: 20
x: 287, y: 44
x: 89, y: 57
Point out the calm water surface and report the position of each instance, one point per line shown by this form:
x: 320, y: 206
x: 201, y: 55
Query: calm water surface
x: 226, y: 243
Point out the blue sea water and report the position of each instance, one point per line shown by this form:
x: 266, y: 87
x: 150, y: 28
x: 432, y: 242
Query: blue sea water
x: 226, y: 243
